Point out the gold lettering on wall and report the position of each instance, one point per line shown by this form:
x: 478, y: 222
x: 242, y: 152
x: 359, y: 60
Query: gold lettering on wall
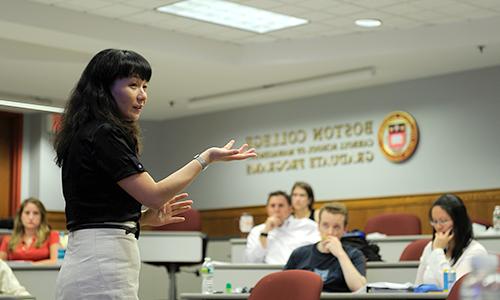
x: 319, y: 147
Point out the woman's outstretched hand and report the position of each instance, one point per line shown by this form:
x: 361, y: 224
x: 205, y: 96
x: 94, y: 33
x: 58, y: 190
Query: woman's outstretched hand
x: 228, y: 153
x: 168, y: 213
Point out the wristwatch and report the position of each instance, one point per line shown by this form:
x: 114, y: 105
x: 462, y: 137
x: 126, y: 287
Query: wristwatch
x: 264, y: 234
x: 202, y: 161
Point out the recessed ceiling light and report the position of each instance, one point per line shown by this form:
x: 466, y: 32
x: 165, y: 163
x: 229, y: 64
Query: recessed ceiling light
x: 368, y: 23
x: 232, y: 14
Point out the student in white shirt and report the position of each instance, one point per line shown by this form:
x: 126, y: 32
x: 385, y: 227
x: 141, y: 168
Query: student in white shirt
x: 9, y: 285
x: 273, y: 241
x: 452, y: 244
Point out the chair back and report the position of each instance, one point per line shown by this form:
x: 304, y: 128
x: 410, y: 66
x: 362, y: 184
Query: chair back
x: 288, y: 285
x: 192, y: 222
x: 481, y: 221
x: 414, y: 250
x: 394, y: 224
x: 455, y: 290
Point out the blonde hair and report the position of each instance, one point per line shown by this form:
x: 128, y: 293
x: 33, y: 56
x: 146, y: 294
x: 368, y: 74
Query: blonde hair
x: 334, y: 208
x: 42, y: 231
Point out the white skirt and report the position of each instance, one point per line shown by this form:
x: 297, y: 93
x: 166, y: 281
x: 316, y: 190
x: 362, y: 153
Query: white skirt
x: 100, y: 263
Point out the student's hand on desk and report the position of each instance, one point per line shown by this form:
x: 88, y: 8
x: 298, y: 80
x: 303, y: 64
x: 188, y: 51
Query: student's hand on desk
x: 442, y: 239
x: 168, y: 212
x: 228, y: 153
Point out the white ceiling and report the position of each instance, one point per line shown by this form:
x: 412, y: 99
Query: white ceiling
x: 200, y: 67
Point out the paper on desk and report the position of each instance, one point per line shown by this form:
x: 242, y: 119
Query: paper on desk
x: 390, y: 285
x: 375, y: 235
x: 219, y: 262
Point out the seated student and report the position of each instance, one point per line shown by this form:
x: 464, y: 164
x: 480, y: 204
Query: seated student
x: 452, y: 244
x: 31, y: 237
x: 341, y: 267
x: 9, y: 285
x: 273, y: 241
x: 302, y: 200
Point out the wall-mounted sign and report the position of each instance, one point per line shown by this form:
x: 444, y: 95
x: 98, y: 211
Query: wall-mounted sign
x: 398, y: 136
x: 323, y: 146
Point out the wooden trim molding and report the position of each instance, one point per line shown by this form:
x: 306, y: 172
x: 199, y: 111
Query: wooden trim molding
x: 224, y: 223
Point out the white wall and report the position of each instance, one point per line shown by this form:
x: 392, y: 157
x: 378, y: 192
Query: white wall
x: 457, y: 116
x: 458, y: 150
x: 41, y: 178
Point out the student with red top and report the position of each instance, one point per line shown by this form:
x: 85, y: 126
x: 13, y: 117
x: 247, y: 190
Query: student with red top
x: 31, y: 238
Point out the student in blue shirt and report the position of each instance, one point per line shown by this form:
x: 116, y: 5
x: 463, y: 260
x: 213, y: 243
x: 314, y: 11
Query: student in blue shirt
x: 341, y: 267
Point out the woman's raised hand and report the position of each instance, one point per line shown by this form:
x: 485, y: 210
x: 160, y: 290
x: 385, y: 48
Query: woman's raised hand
x: 169, y: 212
x: 228, y: 153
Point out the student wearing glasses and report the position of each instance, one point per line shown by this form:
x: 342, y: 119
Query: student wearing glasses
x: 452, y: 244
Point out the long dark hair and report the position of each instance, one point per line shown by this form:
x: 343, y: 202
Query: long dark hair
x: 462, y: 225
x: 91, y: 98
x: 309, y: 191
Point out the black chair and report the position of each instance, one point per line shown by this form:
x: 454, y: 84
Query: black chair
x: 7, y: 223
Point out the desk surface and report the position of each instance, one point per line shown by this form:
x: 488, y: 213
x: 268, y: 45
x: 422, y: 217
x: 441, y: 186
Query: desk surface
x: 360, y: 296
x: 8, y: 297
x: 262, y: 266
x: 247, y: 274
x: 26, y: 265
x: 171, y: 246
x: 153, y: 233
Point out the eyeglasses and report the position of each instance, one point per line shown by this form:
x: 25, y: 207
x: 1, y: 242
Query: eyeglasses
x: 439, y: 222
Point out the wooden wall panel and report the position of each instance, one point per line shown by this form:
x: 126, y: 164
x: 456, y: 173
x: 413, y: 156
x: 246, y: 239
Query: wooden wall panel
x: 224, y: 223
x: 5, y: 165
x: 57, y: 220
x: 11, y: 125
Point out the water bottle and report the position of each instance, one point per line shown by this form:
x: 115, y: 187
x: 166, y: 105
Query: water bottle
x: 246, y: 222
x: 63, y: 241
x: 449, y: 277
x: 473, y: 285
x: 496, y: 218
x: 207, y: 273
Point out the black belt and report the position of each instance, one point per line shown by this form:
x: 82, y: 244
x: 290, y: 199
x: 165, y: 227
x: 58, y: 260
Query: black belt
x: 134, y: 230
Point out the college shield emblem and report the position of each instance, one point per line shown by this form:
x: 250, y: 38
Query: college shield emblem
x: 398, y: 136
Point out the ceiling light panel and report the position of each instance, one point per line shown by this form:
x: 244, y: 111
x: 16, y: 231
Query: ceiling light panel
x: 232, y: 15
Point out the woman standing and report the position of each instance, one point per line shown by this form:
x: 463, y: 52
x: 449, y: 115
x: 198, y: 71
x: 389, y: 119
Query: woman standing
x: 31, y: 238
x: 105, y: 184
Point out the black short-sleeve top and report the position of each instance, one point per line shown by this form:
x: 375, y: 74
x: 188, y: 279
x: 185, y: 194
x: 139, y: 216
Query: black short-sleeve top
x: 100, y: 155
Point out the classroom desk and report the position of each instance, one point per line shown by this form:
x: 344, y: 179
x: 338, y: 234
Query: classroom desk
x: 247, y: 275
x: 338, y: 296
x: 40, y: 281
x: 391, y: 247
x: 238, y: 250
x: 169, y: 247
